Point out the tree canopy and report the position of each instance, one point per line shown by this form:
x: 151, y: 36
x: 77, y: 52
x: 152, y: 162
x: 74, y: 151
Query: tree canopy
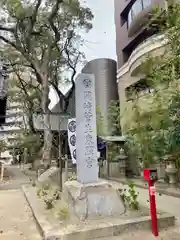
x: 43, y: 38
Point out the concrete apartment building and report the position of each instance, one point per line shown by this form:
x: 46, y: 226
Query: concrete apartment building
x: 9, y: 131
x: 11, y: 115
x: 13, y: 122
x: 135, y: 41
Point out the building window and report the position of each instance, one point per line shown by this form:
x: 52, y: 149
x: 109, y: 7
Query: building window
x: 136, y: 8
x: 129, y: 17
x: 138, y: 90
x: 146, y: 3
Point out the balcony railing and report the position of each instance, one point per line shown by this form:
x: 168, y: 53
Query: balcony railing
x: 13, y: 111
x: 143, y: 49
x: 9, y: 128
x: 14, y: 119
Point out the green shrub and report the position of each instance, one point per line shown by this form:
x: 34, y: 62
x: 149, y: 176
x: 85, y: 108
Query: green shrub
x: 49, y: 202
x: 57, y: 194
x: 72, y: 178
x: 48, y: 195
x: 130, y: 196
x: 64, y: 212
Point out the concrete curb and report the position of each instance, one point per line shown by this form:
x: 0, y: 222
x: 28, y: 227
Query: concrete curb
x: 49, y: 231
x: 37, y: 209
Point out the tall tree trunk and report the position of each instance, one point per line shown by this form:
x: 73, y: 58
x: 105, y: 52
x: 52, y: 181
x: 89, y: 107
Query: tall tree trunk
x: 30, y: 120
x: 60, y: 157
x: 46, y: 155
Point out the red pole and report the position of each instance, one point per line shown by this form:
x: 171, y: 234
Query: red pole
x: 153, y: 212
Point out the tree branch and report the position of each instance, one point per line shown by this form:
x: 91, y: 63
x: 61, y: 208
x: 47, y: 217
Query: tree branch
x: 24, y: 54
x: 30, y: 103
x: 32, y: 23
x: 51, y: 22
x: 34, y: 16
x: 59, y: 93
x: 73, y: 68
x: 55, y: 10
x: 9, y: 42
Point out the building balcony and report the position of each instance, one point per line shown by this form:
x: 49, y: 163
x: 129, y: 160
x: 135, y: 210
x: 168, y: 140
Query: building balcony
x: 12, y: 128
x: 153, y: 45
x: 132, y: 72
x: 14, y: 119
x: 8, y: 135
x: 11, y: 105
x: 13, y: 112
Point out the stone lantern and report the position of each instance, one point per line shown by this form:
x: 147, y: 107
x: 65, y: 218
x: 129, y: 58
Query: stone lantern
x: 171, y: 172
x: 122, y: 158
x: 171, y: 169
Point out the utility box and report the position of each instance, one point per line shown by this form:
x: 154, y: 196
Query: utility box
x: 150, y: 174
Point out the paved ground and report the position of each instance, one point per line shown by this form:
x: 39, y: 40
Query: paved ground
x: 17, y: 178
x: 161, y: 187
x: 16, y: 221
x: 164, y: 203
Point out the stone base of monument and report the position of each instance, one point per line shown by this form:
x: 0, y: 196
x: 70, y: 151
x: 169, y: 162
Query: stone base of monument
x: 88, y: 201
x: 55, y: 228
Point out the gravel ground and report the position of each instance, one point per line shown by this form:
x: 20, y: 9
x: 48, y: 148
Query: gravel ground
x: 16, y: 220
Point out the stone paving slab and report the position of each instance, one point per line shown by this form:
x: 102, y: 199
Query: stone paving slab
x: 16, y: 220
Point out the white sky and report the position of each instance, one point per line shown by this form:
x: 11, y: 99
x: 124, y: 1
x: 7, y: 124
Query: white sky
x: 100, y: 41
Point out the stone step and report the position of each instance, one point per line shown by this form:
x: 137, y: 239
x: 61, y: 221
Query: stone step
x: 167, y: 234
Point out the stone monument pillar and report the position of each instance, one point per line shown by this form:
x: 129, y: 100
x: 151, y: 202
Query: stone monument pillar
x: 86, y: 134
x: 88, y: 196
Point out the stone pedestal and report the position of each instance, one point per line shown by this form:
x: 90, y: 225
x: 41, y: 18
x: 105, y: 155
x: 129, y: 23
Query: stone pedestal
x: 114, y: 169
x: 122, y: 163
x: 161, y: 170
x: 88, y: 201
x: 171, y: 172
